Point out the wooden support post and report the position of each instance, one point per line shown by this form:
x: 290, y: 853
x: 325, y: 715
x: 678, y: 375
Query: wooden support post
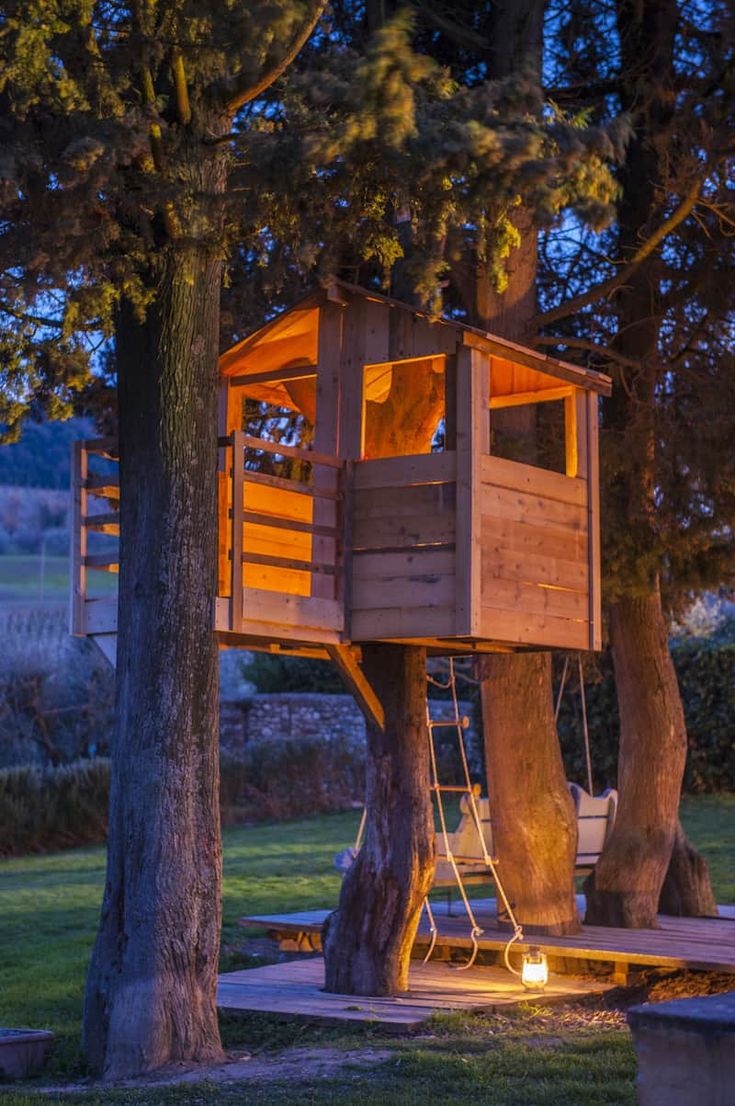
x: 593, y: 518
x: 571, y: 432
x: 582, y: 461
x: 349, y: 669
x: 238, y: 522
x: 326, y: 480
x: 351, y: 366
x: 450, y: 403
x: 472, y: 443
x: 78, y: 557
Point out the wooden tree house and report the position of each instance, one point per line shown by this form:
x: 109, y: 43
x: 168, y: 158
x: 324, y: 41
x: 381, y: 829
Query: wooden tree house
x: 362, y: 497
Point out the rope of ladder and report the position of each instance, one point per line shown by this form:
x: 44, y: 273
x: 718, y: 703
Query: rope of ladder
x: 489, y: 862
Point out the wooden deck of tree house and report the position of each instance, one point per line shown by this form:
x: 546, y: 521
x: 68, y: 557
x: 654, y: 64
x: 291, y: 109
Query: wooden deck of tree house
x: 350, y: 528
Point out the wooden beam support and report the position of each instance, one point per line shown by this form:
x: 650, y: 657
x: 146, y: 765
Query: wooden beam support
x: 520, y: 399
x: 275, y: 376
x: 349, y: 669
x: 473, y: 442
x: 238, y: 524
x: 593, y: 518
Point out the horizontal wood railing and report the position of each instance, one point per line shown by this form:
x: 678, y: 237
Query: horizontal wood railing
x: 285, y: 534
x: 90, y: 490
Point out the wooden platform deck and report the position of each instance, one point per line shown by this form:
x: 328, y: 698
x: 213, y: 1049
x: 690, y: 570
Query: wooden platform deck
x: 703, y: 944
x: 293, y: 990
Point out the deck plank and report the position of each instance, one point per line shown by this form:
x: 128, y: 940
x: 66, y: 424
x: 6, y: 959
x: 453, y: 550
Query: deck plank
x: 294, y: 989
x: 706, y: 944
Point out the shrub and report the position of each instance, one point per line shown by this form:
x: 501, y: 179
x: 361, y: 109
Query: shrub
x: 53, y: 808
x: 56, y: 692
x: 47, y: 808
x: 290, y: 778
x: 705, y: 668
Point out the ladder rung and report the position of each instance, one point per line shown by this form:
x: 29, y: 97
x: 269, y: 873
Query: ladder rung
x: 464, y: 722
x: 448, y: 787
x: 476, y: 861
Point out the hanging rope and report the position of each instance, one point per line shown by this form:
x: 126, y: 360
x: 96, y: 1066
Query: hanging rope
x: 361, y: 830
x: 585, y: 726
x: 562, y: 682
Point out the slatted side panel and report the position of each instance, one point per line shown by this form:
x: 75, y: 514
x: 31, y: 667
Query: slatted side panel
x: 535, y: 556
x: 403, y: 548
x: 283, y: 547
x: 95, y: 521
x: 266, y: 498
x: 276, y: 540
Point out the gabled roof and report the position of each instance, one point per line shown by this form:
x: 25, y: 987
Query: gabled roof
x: 290, y: 340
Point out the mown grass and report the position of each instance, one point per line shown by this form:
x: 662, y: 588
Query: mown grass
x: 48, y: 914
x: 31, y: 580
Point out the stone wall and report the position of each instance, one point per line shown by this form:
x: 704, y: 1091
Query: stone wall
x: 293, y: 715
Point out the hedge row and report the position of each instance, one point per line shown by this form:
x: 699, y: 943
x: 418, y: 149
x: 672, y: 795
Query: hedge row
x: 53, y: 808
x: 50, y: 808
x: 706, y: 673
x: 42, y: 809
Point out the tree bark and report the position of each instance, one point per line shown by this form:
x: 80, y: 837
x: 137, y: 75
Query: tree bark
x: 150, y: 995
x: 626, y: 885
x: 534, y: 825
x: 648, y: 841
x: 368, y: 939
x: 533, y: 816
x: 687, y: 890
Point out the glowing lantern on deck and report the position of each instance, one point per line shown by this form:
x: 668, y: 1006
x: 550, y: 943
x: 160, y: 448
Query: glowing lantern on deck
x: 535, y: 970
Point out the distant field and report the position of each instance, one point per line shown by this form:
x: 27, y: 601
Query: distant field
x: 29, y: 580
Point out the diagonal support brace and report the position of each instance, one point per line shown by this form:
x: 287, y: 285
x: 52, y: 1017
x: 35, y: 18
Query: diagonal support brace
x: 346, y: 663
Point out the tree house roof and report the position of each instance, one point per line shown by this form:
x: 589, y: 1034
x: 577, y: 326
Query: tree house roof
x: 289, y: 341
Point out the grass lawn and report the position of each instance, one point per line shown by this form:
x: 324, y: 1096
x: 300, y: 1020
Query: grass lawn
x: 48, y: 914
x: 29, y: 580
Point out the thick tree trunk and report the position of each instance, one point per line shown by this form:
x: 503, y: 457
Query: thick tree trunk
x: 150, y: 994
x: 368, y: 939
x: 647, y: 841
x: 626, y: 885
x: 533, y: 817
x: 534, y: 826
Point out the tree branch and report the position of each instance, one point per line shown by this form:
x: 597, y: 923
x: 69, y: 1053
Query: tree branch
x: 242, y: 96
x: 462, y: 36
x: 587, y: 345
x: 607, y: 287
x: 25, y: 317
x: 183, y: 105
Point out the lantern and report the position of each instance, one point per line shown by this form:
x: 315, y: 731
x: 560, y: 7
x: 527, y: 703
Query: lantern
x: 535, y: 970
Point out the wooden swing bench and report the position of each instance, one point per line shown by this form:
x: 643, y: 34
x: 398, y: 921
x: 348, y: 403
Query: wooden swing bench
x: 595, y: 820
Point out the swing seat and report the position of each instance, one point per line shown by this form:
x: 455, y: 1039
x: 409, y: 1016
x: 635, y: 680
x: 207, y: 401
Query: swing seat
x: 595, y: 820
x: 465, y: 846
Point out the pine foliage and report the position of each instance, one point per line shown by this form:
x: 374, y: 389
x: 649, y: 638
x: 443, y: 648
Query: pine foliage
x: 113, y: 115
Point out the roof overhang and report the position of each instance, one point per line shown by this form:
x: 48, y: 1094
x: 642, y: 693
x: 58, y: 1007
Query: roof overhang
x: 290, y: 341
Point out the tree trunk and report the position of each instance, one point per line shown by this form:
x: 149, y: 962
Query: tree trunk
x: 687, y: 891
x: 533, y: 817
x: 368, y: 939
x: 647, y: 840
x: 534, y: 825
x: 626, y: 885
x: 150, y: 995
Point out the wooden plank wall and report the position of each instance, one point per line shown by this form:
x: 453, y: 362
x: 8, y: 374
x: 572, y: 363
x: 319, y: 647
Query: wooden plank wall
x: 403, y: 576
x: 535, y: 556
